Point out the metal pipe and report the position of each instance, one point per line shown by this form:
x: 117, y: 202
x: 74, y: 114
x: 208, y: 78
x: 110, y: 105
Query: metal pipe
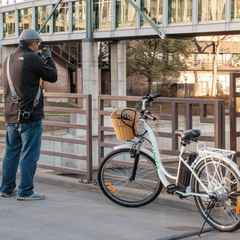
x: 89, y: 19
x: 50, y: 15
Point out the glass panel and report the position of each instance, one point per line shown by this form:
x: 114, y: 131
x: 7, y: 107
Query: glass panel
x: 235, y: 9
x: 79, y: 15
x: 179, y: 11
x: 9, y: 24
x: 102, y: 14
x: 172, y: 7
x: 24, y: 19
x: 96, y: 14
x: 61, y: 18
x: 125, y: 14
x: 41, y: 16
x: 153, y: 9
x: 211, y: 10
x: 105, y: 14
x: 237, y: 84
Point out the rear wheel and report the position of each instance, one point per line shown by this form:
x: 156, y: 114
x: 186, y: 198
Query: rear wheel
x: 224, y: 182
x: 114, y: 179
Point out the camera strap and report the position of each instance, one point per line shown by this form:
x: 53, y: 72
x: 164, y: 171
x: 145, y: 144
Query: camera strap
x: 13, y: 91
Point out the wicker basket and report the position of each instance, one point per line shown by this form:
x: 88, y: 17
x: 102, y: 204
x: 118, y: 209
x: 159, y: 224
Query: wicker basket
x: 123, y: 132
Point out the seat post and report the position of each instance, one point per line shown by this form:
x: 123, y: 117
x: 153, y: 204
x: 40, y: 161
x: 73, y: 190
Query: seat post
x: 183, y: 149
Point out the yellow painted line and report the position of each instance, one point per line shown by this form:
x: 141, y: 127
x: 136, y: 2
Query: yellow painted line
x: 237, y: 208
x: 111, y: 186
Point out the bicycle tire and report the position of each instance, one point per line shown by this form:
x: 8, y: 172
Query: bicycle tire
x: 225, y: 215
x: 114, y: 179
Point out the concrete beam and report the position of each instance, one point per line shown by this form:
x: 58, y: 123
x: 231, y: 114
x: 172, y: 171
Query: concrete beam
x: 34, y: 18
x: 90, y: 78
x: 118, y: 71
x: 16, y: 24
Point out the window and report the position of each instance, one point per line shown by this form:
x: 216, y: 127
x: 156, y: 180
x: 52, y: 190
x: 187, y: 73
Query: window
x: 125, y: 14
x: 61, y: 18
x: 235, y: 9
x: 211, y: 10
x: 102, y: 14
x: 153, y: 9
x: 179, y: 11
x: 41, y: 15
x: 79, y: 15
x: 24, y: 19
x: 9, y: 24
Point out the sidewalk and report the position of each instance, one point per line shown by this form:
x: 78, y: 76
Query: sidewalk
x: 74, y: 210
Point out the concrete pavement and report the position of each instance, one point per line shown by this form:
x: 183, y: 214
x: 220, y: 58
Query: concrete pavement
x: 74, y: 210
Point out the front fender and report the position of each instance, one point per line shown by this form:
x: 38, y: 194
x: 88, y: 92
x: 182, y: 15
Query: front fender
x: 130, y: 147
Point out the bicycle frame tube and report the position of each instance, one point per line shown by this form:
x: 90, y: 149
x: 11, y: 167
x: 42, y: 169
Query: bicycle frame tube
x: 161, y: 170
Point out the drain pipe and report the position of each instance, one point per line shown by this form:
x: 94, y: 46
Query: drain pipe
x: 50, y: 15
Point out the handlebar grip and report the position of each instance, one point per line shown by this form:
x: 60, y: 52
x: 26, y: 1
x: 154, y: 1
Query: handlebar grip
x: 157, y: 95
x: 149, y: 115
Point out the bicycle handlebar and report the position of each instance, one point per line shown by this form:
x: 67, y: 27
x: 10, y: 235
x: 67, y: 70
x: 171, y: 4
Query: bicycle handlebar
x: 149, y: 115
x: 151, y: 98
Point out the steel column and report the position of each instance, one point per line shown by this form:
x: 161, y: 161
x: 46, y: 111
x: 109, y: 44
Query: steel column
x: 89, y: 19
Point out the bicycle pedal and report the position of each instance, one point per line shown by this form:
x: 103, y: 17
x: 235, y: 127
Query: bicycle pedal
x: 171, y: 188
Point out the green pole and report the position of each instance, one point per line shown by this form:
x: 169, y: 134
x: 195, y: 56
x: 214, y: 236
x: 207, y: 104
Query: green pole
x: 89, y: 19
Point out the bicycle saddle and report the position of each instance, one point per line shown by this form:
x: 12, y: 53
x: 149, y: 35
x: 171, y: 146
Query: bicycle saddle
x: 188, y: 134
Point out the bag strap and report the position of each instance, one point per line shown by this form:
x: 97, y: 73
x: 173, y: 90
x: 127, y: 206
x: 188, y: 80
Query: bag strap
x: 36, y: 100
x: 14, y: 94
x: 13, y: 91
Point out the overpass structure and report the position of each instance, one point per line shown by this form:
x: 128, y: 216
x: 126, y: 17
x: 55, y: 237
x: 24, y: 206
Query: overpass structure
x: 118, y: 19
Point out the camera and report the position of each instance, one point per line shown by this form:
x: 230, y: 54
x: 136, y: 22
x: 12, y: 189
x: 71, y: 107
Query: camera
x: 24, y: 116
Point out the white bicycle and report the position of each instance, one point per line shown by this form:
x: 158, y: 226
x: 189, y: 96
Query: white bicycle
x: 132, y: 176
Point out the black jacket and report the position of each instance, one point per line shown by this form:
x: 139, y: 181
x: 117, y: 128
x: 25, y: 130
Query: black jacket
x: 26, y: 69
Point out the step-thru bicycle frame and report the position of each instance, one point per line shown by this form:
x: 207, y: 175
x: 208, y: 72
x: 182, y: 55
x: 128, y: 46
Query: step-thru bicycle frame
x: 133, y: 176
x: 203, y: 154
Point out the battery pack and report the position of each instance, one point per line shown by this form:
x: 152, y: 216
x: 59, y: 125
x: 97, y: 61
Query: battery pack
x: 184, y: 172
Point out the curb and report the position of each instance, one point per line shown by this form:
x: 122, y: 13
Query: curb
x: 60, y: 180
x: 51, y: 178
x: 65, y: 181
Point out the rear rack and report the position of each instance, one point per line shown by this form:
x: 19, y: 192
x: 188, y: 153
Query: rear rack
x: 215, y: 152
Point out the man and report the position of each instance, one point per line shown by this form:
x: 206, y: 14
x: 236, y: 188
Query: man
x: 23, y: 117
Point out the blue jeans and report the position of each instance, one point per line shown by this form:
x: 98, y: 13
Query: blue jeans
x: 23, y: 144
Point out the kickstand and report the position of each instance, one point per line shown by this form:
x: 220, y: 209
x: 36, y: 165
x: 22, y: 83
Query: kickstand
x: 209, y: 208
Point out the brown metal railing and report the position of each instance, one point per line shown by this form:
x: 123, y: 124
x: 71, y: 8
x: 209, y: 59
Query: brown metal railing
x: 63, y: 125
x: 218, y: 119
x: 65, y: 55
x: 234, y: 134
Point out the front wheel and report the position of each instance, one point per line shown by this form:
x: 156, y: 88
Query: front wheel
x: 224, y: 182
x: 114, y: 178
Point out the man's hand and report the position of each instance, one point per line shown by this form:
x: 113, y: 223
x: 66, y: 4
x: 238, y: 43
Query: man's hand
x: 46, y: 53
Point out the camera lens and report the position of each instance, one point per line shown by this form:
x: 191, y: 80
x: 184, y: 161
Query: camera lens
x: 26, y: 115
